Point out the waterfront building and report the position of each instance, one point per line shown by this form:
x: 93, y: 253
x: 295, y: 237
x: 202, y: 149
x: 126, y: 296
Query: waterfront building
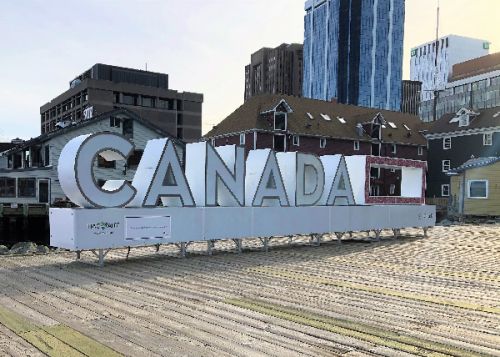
x: 28, y: 171
x: 410, y: 96
x: 353, y: 52
x: 457, y: 137
x: 474, y: 84
x: 293, y: 124
x: 103, y: 88
x: 475, y: 188
x: 275, y: 71
x: 450, y: 50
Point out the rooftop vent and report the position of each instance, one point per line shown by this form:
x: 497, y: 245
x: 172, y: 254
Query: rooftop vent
x: 341, y: 119
x: 310, y: 115
x: 326, y: 117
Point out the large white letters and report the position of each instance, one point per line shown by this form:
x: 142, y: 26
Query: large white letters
x: 76, y: 176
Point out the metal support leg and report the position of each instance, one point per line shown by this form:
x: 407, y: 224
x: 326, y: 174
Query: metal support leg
x: 350, y: 234
x: 315, y: 239
x: 290, y: 240
x: 210, y: 245
x: 339, y: 236
x: 266, y: 244
x: 78, y: 254
x: 157, y: 248
x: 183, y: 250
x: 426, y: 229
x: 128, y: 253
x: 396, y: 232
x: 238, y: 243
x: 377, y: 234
x: 101, y: 254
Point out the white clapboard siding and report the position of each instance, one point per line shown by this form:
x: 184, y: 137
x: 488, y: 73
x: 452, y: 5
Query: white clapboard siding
x: 141, y: 135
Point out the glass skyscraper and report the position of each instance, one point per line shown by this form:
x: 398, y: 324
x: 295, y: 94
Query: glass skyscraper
x: 353, y: 51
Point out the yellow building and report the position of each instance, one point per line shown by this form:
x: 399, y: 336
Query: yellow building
x: 475, y: 188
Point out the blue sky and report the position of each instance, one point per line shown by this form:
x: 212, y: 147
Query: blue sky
x: 202, y: 45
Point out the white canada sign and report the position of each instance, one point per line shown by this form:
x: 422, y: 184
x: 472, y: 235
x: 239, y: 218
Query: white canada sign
x: 219, y: 194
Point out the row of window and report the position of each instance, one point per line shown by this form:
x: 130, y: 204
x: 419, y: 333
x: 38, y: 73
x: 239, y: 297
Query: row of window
x: 422, y: 51
x: 154, y: 102
x: 26, y: 187
x: 68, y: 104
x: 322, y: 144
x: 476, y: 189
x: 487, y: 141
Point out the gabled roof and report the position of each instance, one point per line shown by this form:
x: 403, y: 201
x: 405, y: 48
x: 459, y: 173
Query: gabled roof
x: 474, y: 163
x: 81, y: 124
x: 487, y: 118
x: 329, y: 119
x: 5, y: 146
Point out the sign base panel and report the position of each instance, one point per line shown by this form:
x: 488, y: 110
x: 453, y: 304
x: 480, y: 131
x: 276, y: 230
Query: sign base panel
x: 89, y: 229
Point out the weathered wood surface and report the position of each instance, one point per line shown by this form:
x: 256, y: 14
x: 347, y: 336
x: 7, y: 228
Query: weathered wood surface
x: 399, y: 297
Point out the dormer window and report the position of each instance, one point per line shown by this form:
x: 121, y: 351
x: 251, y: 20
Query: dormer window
x: 280, y: 121
x: 463, y: 120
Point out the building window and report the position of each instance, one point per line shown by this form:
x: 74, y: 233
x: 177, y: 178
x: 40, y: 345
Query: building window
x: 477, y: 189
x: 148, y: 102
x: 296, y: 140
x: 128, y: 128
x: 129, y: 99
x: 446, y: 143
x: 445, y: 190
x: 420, y: 150
x: 445, y: 165
x: 279, y: 143
x: 7, y: 187
x: 488, y: 139
x: 102, y: 162
x: 134, y: 159
x: 114, y: 122
x: 212, y: 141
x: 26, y: 187
x: 242, y: 139
x: 322, y: 143
x: 393, y: 148
x: 280, y: 121
x: 356, y: 145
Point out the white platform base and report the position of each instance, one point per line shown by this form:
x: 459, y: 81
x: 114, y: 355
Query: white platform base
x: 94, y: 229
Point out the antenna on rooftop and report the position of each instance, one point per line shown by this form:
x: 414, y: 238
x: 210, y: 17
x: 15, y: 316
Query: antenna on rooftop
x: 436, y: 68
x: 146, y: 66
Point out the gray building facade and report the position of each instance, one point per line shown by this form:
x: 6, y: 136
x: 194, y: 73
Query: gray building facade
x: 410, y: 96
x: 275, y: 71
x: 103, y: 88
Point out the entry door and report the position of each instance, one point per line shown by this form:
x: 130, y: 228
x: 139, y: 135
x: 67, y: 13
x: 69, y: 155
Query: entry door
x: 43, y: 191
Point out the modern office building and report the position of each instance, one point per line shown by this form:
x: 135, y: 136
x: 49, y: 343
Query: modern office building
x: 275, y: 71
x: 473, y: 84
x: 450, y: 50
x: 353, y: 51
x: 103, y: 88
x: 410, y: 96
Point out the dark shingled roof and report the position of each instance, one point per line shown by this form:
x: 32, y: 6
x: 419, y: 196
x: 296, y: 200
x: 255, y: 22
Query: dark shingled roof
x: 247, y: 117
x: 6, y: 146
x: 474, y: 163
x: 487, y: 118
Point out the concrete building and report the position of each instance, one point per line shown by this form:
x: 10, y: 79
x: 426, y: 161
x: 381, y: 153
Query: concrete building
x: 353, y: 51
x: 410, y: 96
x: 474, y: 84
x: 28, y: 172
x: 103, y: 88
x: 450, y: 50
x: 275, y: 71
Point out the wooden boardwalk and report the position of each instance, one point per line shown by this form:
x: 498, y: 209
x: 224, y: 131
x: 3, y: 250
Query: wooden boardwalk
x: 412, y: 296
